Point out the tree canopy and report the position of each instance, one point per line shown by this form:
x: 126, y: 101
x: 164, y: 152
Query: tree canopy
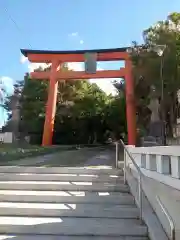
x: 156, y: 70
x: 84, y: 112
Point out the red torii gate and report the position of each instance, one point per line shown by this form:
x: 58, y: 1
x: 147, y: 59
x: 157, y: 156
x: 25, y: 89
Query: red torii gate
x: 59, y: 57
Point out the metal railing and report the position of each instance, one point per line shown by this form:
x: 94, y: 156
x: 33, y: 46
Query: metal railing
x: 140, y: 190
x: 169, y: 218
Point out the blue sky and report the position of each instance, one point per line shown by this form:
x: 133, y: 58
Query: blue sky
x: 40, y: 24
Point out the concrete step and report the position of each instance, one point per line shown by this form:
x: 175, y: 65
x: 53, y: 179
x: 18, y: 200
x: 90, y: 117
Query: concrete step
x: 63, y: 170
x: 66, y: 197
x: 72, y: 226
x: 68, y: 210
x: 60, y: 177
x: 62, y: 186
x: 50, y: 237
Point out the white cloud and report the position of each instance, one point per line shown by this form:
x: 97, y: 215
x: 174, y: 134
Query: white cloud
x: 106, y: 85
x: 7, y: 84
x: 77, y: 36
x: 6, y: 89
x: 23, y: 59
x: 75, y: 66
x: 1, y: 95
x: 33, y: 66
x: 73, y: 34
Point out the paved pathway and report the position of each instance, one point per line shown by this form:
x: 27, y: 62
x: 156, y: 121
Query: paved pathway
x: 105, y: 158
x: 91, y: 157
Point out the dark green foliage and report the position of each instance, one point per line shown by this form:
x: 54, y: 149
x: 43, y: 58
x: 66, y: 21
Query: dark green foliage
x: 84, y: 112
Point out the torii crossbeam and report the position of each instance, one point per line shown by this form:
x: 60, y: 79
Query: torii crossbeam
x: 56, y: 58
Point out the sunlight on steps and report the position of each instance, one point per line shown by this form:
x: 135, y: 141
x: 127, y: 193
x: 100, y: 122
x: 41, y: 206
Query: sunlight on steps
x: 67, y: 203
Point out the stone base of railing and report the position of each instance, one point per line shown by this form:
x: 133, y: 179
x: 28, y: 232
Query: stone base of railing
x: 161, y: 167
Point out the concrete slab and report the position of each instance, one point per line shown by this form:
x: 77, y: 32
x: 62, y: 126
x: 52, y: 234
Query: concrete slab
x: 62, y: 186
x: 66, y: 197
x: 72, y: 226
x: 155, y: 229
x: 60, y: 177
x: 50, y: 237
x: 105, y: 157
x: 67, y: 170
x: 68, y: 210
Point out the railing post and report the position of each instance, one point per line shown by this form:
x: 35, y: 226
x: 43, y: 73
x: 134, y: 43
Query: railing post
x: 125, y: 165
x: 140, y: 194
x: 117, y: 153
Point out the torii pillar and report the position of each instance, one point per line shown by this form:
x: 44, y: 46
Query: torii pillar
x: 51, y: 106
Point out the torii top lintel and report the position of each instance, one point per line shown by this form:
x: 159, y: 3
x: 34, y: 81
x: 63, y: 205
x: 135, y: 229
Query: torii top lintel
x: 47, y: 56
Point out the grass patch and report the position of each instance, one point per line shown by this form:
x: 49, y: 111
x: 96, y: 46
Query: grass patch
x: 9, y: 152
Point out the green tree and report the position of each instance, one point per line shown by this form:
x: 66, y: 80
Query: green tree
x: 147, y: 67
x: 84, y: 111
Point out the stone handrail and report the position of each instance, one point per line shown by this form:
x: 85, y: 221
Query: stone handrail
x: 160, y: 159
x: 160, y: 166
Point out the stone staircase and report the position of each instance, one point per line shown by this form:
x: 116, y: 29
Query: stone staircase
x: 38, y: 203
